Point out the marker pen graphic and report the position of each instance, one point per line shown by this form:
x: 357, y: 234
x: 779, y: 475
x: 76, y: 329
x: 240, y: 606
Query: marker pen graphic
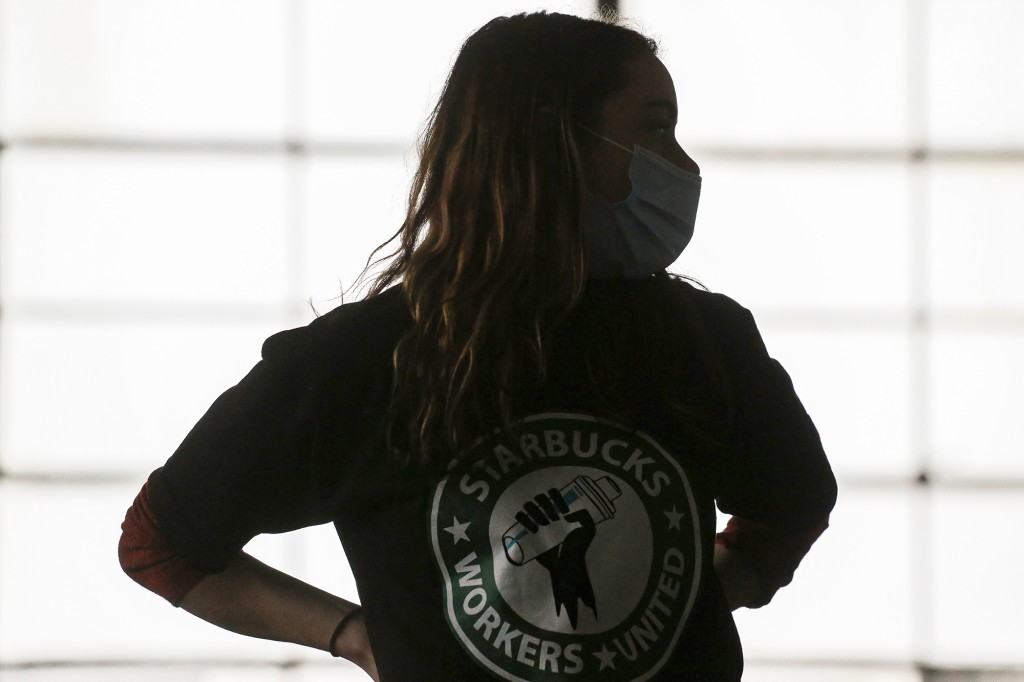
x: 584, y: 493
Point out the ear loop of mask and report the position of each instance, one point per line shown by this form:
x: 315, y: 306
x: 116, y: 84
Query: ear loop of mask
x: 669, y: 166
x: 606, y: 139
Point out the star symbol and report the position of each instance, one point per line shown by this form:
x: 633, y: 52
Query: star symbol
x: 606, y: 657
x: 458, y: 530
x: 673, y: 518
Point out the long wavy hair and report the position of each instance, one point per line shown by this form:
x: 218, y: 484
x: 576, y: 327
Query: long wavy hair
x: 490, y: 255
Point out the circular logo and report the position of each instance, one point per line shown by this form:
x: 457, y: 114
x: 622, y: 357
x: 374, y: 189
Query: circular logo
x: 571, y: 549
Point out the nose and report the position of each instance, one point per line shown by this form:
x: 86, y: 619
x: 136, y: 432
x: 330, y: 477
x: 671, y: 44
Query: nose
x: 683, y: 160
x: 677, y: 155
x: 690, y: 165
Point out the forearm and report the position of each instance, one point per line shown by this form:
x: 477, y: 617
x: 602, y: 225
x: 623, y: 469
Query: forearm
x: 253, y: 599
x: 248, y: 597
x: 754, y: 560
x: 739, y: 580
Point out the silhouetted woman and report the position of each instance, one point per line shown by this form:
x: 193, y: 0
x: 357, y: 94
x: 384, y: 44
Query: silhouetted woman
x: 522, y: 432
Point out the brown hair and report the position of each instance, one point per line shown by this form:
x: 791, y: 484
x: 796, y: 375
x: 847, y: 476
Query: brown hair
x: 490, y: 256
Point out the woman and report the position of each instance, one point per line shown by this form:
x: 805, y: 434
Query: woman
x: 522, y: 432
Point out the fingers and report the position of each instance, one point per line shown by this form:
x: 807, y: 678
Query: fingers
x: 550, y: 503
x: 525, y: 517
x: 555, y: 495
x: 545, y: 508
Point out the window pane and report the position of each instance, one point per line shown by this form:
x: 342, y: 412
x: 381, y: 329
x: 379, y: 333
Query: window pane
x: 859, y: 569
x: 977, y: 389
x: 331, y: 670
x: 976, y: 57
x: 329, y: 673
x: 755, y: 672
x: 313, y: 555
x: 800, y: 72
x: 976, y: 212
x: 353, y: 205
x: 978, y: 595
x: 124, y: 395
x: 364, y: 81
x: 63, y: 564
x: 158, y: 672
x: 783, y: 234
x: 856, y: 387
x: 188, y: 68
x: 138, y: 227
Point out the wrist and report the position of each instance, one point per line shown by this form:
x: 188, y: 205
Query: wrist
x: 740, y: 581
x: 348, y: 640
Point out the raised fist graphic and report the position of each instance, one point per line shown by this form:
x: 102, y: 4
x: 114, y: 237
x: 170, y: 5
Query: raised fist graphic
x: 556, y: 528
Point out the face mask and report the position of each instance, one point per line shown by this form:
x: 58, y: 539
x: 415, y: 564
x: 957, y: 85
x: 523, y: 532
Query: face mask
x: 647, y: 231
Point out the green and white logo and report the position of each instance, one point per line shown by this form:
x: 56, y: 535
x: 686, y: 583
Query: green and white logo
x: 573, y: 552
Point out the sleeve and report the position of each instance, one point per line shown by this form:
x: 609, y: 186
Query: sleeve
x: 148, y: 558
x: 245, y: 468
x: 776, y: 472
x: 776, y: 483
x: 774, y: 553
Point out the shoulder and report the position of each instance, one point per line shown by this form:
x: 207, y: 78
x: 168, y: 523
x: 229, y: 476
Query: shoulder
x: 385, y: 313
x: 719, y: 312
x: 707, y: 300
x: 358, y: 328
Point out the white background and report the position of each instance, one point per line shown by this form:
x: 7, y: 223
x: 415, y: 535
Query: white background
x: 178, y: 177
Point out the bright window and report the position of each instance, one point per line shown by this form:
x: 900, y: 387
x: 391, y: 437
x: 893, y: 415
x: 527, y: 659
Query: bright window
x: 179, y: 179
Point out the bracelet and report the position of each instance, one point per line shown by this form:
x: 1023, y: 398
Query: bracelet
x: 341, y: 626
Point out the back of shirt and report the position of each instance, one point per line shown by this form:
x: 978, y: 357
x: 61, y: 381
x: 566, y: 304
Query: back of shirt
x: 575, y: 545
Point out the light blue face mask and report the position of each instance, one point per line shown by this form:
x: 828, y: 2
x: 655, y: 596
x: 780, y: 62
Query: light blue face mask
x: 646, y: 232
